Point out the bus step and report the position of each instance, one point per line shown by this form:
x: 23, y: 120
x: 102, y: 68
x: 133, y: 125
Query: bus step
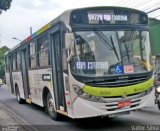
x: 29, y: 101
x: 62, y: 112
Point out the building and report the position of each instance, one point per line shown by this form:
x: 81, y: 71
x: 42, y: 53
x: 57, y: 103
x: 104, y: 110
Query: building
x: 154, y: 35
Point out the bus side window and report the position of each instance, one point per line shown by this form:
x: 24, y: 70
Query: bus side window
x: 43, y: 50
x: 32, y: 55
x: 15, y: 61
x: 7, y: 64
x: 18, y: 61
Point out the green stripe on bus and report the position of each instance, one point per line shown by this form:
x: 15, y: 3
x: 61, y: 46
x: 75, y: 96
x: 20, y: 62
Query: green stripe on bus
x: 44, y: 28
x: 118, y: 91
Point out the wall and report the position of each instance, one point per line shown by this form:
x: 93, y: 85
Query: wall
x: 154, y: 28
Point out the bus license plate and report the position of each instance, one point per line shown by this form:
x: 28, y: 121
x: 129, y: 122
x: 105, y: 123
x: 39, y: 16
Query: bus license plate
x: 124, y: 104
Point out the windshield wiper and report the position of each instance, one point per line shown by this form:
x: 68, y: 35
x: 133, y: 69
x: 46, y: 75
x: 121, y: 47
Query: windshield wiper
x: 129, y: 38
x: 115, y: 51
x: 127, y: 51
x: 107, y: 42
x: 101, y: 37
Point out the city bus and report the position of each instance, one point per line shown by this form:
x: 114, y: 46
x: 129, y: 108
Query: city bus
x: 87, y: 62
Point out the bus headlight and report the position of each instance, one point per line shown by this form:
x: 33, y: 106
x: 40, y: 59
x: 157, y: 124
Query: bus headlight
x: 78, y: 90
x: 86, y: 96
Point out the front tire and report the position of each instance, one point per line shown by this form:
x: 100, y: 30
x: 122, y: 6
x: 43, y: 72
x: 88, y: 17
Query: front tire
x: 51, y: 109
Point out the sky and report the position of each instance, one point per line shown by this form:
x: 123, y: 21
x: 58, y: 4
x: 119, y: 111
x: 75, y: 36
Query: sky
x: 23, y: 14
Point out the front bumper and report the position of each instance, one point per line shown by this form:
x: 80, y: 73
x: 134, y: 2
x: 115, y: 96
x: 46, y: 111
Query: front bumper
x: 83, y: 108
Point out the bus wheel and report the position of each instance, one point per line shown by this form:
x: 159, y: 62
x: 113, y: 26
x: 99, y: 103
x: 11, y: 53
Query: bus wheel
x: 50, y: 108
x: 19, y: 99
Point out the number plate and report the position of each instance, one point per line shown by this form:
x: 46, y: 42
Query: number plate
x: 124, y: 104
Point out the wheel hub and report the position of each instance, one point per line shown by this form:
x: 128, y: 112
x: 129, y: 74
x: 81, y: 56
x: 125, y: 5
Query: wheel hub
x: 50, y: 105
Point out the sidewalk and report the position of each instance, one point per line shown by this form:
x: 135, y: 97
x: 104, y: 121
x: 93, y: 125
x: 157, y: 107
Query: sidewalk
x: 9, y: 121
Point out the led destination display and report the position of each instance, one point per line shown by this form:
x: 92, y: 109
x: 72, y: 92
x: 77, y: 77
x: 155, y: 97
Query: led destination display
x: 92, y: 65
x: 108, y: 16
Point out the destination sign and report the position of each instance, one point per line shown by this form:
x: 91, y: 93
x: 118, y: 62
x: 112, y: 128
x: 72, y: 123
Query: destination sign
x: 104, y: 16
x: 92, y: 65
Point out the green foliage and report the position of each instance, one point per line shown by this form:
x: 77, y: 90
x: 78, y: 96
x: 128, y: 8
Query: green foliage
x: 5, y: 4
x: 2, y: 63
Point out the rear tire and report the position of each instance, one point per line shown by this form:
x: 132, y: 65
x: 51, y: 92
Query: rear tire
x: 19, y: 99
x: 51, y: 109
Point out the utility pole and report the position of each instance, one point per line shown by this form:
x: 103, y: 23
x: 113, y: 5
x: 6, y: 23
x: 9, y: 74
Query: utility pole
x: 30, y: 30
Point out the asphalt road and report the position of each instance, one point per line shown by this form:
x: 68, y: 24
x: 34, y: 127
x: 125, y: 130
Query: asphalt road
x: 144, y: 119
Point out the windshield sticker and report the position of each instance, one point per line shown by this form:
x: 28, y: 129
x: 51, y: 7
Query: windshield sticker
x: 128, y: 69
x: 119, y: 69
x: 92, y: 65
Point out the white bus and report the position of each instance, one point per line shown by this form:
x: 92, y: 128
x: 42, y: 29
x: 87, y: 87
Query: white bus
x: 87, y: 62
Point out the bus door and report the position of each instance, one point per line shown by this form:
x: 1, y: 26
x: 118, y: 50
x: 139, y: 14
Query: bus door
x: 57, y: 72
x: 10, y: 64
x: 25, y: 73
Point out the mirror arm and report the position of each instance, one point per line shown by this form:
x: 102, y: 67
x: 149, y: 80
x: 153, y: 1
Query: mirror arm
x: 70, y: 57
x: 64, y: 58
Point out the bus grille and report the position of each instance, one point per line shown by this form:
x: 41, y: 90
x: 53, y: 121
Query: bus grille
x: 120, y: 82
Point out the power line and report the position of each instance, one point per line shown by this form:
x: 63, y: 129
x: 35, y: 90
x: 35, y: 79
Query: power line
x: 151, y: 6
x: 146, y: 6
x: 120, y: 2
x: 153, y: 10
x: 153, y: 14
x: 132, y: 3
x: 141, y: 3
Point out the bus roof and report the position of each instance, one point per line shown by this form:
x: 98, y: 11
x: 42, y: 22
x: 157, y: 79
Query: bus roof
x: 65, y: 19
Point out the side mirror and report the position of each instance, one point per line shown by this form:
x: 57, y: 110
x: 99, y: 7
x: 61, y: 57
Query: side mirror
x: 69, y: 43
x: 69, y: 40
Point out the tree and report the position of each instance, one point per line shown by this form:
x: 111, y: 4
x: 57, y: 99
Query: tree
x: 5, y: 4
x: 2, y: 63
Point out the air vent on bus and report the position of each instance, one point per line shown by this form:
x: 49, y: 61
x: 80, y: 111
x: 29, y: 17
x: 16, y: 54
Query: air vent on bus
x: 119, y: 82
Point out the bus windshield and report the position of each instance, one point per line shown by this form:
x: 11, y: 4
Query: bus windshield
x: 102, y: 53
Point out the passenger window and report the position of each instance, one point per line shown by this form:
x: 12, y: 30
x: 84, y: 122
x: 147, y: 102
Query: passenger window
x: 14, y: 61
x: 7, y: 64
x: 32, y: 55
x: 18, y: 61
x: 43, y: 51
